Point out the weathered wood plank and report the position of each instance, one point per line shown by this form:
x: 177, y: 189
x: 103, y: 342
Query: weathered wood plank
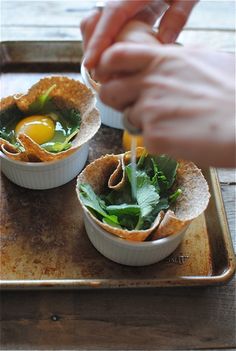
x: 227, y: 176
x: 229, y: 195
x: 157, y: 319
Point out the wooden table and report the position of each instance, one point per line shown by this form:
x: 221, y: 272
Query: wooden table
x: 135, y: 319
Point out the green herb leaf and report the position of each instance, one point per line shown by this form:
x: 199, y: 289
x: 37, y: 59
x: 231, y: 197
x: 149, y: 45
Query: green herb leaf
x: 40, y: 104
x: 5, y: 136
x: 119, y: 210
x: 147, y: 195
x: 121, y: 196
x: 54, y: 116
x: 73, y: 116
x: 128, y: 221
x: 162, y: 205
x: 9, y: 117
x: 59, y: 146
x: 111, y: 223
x: 167, y: 168
x: 56, y: 146
x: 173, y: 197
x: 91, y: 200
x: 154, y: 177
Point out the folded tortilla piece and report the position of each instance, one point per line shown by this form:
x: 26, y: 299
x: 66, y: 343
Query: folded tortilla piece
x: 67, y: 94
x: 108, y: 172
x: 189, y: 205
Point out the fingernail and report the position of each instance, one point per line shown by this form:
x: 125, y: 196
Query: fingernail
x: 168, y: 36
x: 93, y: 73
x: 88, y: 60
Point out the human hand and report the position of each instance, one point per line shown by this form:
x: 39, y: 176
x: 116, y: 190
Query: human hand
x: 100, y: 29
x: 181, y: 98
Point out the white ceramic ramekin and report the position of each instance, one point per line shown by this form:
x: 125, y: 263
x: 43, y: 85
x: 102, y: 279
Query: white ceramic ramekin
x: 109, y: 116
x: 44, y: 175
x: 127, y: 252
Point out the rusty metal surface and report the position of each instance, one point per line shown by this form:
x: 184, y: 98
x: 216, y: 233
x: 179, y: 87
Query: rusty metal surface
x: 43, y: 242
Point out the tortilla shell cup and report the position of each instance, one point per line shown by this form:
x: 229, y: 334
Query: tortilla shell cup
x: 68, y: 93
x: 189, y: 205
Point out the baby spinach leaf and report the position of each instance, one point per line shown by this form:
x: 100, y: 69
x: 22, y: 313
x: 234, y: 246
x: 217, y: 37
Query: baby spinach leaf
x: 167, y: 168
x: 6, y: 136
x: 10, y: 137
x: 91, y: 200
x: 56, y: 146
x: 154, y: 177
x: 128, y: 221
x: 162, y: 205
x: 111, y: 223
x: 73, y: 116
x: 119, y: 210
x: 9, y: 117
x: 59, y: 146
x: 123, y: 195
x: 147, y: 195
x: 145, y: 163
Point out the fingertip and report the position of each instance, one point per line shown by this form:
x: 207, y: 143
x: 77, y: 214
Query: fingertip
x: 89, y: 62
x: 168, y: 36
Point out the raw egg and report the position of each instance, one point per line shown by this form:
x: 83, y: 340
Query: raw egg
x: 41, y: 129
x: 127, y: 138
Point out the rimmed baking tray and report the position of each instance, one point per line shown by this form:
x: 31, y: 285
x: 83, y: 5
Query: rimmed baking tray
x: 43, y: 242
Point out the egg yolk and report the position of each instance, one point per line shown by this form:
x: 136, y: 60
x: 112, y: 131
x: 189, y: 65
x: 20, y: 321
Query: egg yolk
x: 127, y: 139
x: 40, y: 129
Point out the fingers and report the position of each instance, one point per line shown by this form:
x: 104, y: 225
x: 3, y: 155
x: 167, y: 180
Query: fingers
x: 174, y: 20
x: 114, y: 16
x: 152, y: 12
x: 146, y: 113
x: 162, y: 134
x: 125, y: 58
x: 87, y: 26
x: 119, y: 93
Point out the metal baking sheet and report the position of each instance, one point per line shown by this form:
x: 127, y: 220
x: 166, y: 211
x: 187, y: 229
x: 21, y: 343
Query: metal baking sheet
x: 43, y: 241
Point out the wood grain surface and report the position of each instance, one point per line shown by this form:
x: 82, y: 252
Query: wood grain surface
x: 158, y: 319
x: 130, y: 319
